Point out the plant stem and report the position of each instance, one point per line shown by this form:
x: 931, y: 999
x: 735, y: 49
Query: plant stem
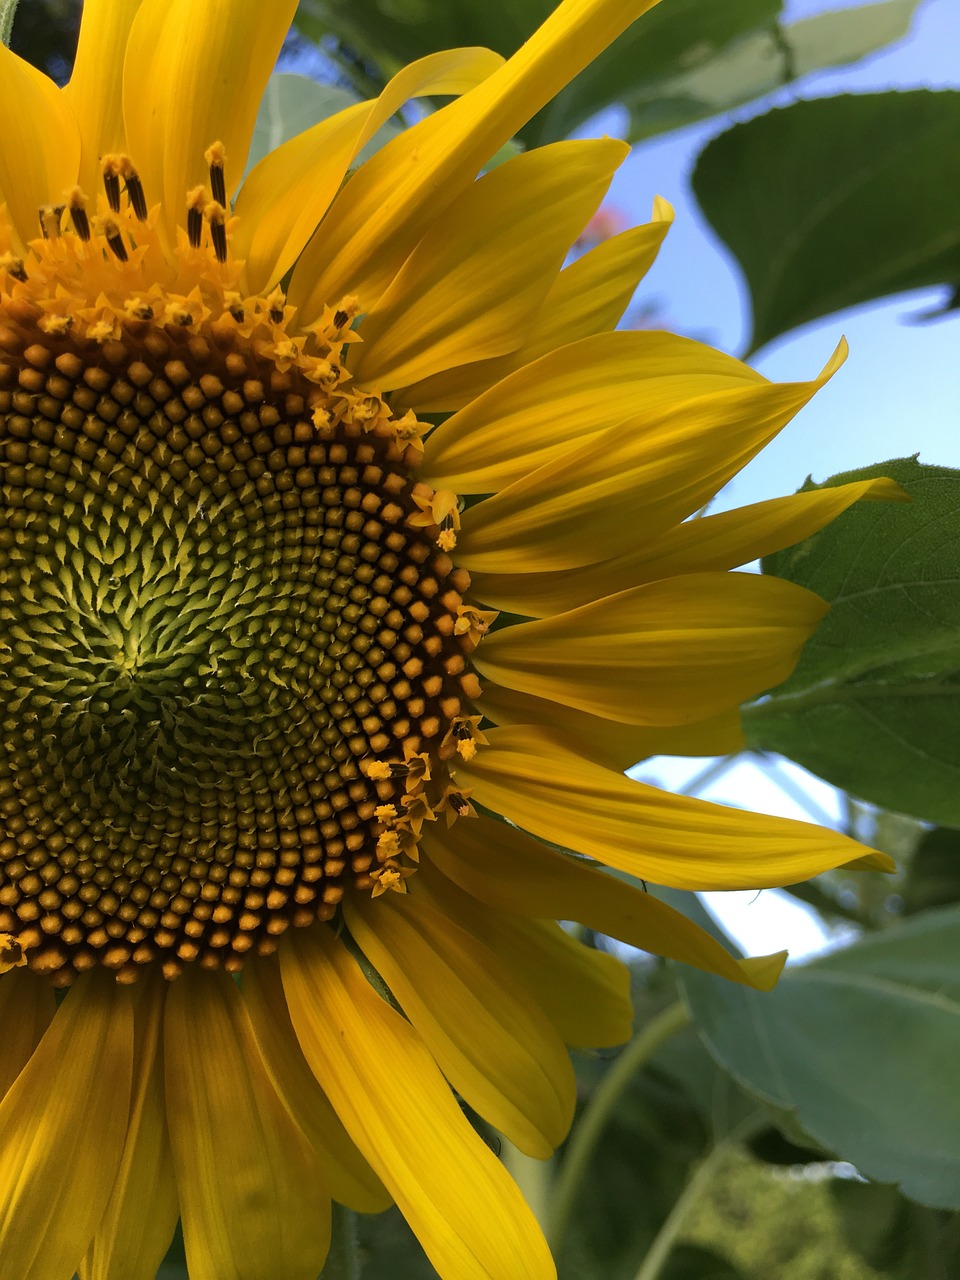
x: 343, y: 1260
x: 532, y: 1176
x: 666, y: 1237
x: 598, y: 1112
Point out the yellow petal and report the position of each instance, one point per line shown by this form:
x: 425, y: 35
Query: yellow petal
x: 253, y: 1201
x: 497, y: 1049
x: 193, y: 75
x: 288, y: 191
x: 721, y: 541
x: 670, y: 652
x: 584, y: 992
x: 630, y: 483
x: 469, y: 290
x: 387, y: 206
x: 511, y: 872
x: 27, y: 1006
x: 398, y: 1108
x: 138, y: 1224
x: 62, y: 1128
x: 539, y: 783
x: 618, y: 746
x: 352, y: 1181
x: 39, y: 144
x: 96, y: 83
x: 588, y: 297
x: 570, y: 397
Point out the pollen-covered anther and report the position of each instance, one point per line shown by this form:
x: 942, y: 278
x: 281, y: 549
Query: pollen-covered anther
x: 50, y: 222
x: 11, y: 953
x: 14, y: 266
x: 473, y: 623
x: 215, y: 157
x: 216, y: 215
x: 196, y: 203
x: 463, y: 738
x: 440, y: 512
x: 110, y: 230
x: 77, y: 205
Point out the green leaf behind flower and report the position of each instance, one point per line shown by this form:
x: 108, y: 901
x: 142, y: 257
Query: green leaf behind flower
x: 834, y: 202
x: 863, y: 1045
x: 874, y: 703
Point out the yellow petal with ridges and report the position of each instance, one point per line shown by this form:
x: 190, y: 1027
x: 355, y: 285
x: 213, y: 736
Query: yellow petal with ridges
x: 665, y: 653
x: 95, y: 89
x: 539, y: 782
x: 509, y: 871
x: 136, y: 1229
x: 389, y: 204
x: 588, y: 297
x: 584, y: 992
x: 287, y: 193
x: 618, y: 746
x: 62, y: 1128
x: 462, y: 1205
x: 470, y: 290
x: 570, y: 397
x: 253, y: 1200
x: 194, y: 75
x: 717, y: 542
x: 497, y: 1049
x: 352, y: 1181
x: 39, y: 144
x: 635, y: 480
x: 27, y: 1007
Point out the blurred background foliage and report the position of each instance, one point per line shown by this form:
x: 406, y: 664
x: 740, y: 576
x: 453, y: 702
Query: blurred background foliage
x: 736, y: 1137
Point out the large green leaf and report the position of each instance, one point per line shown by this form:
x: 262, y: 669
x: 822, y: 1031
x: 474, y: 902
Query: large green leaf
x: 834, y: 202
x: 291, y: 104
x: 863, y: 1044
x: 874, y: 703
x: 901, y: 1240
x: 933, y: 878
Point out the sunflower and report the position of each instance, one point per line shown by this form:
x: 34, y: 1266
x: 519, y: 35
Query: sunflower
x: 344, y: 570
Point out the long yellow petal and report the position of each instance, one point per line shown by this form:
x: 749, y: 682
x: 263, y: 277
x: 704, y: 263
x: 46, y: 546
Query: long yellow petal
x: 584, y: 992
x: 387, y: 206
x: 352, y: 1181
x: 541, y: 784
x: 511, y: 872
x: 39, y: 144
x: 95, y: 90
x: 570, y: 397
x: 287, y: 193
x: 718, y: 542
x: 27, y: 1007
x: 615, y: 745
x: 588, y: 297
x: 464, y: 1208
x: 253, y: 1200
x: 138, y: 1224
x: 470, y: 290
x: 62, y: 1128
x: 670, y: 652
x: 632, y: 482
x: 497, y: 1049
x: 193, y: 75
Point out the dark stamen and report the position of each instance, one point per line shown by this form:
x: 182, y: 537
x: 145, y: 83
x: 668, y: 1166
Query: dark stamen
x: 136, y: 196
x: 115, y: 241
x: 111, y: 184
x: 194, y: 227
x: 215, y: 157
x: 78, y: 214
x: 216, y: 215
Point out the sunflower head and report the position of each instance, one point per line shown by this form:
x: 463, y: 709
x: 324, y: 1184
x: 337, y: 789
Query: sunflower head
x: 344, y: 567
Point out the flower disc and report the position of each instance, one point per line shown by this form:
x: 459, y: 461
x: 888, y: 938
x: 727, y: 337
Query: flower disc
x: 217, y: 614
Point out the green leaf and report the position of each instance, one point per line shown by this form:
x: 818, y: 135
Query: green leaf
x: 863, y: 1044
x: 764, y: 60
x: 838, y: 201
x: 902, y: 1240
x: 933, y: 878
x: 874, y: 703
x: 291, y: 104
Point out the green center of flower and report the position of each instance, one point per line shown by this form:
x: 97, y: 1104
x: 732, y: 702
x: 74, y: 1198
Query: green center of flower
x: 231, y: 647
